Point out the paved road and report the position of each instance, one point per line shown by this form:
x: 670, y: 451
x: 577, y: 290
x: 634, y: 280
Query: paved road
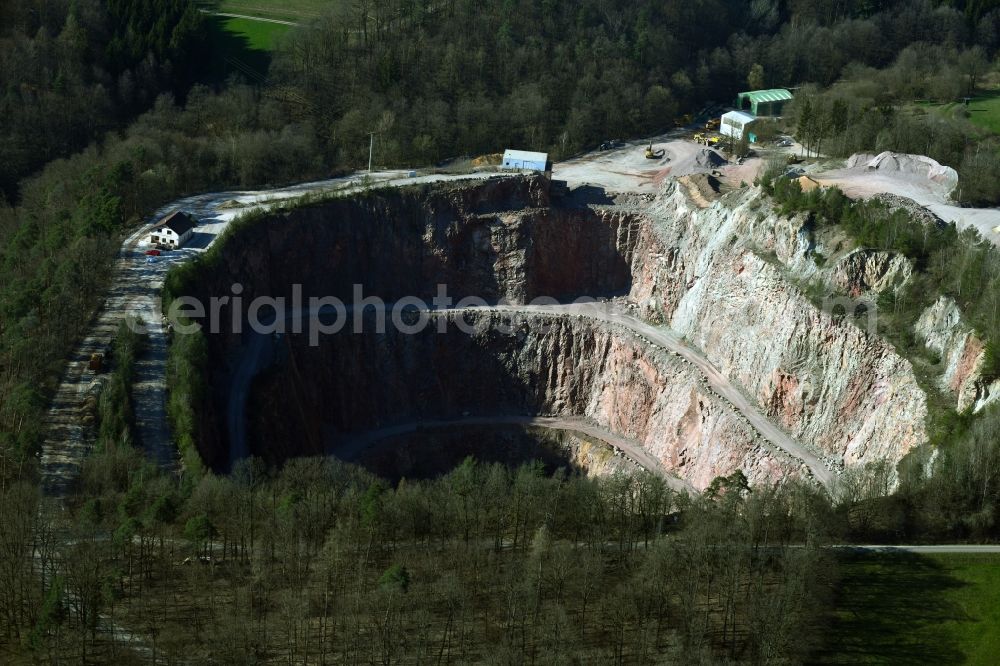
x: 251, y: 363
x: 251, y: 18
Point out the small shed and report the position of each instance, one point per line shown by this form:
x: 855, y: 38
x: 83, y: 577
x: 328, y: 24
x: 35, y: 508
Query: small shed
x: 764, y: 102
x: 173, y: 231
x: 735, y: 123
x: 526, y: 160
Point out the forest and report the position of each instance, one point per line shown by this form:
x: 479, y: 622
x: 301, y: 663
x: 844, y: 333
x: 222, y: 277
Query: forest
x: 107, y: 111
x: 320, y: 562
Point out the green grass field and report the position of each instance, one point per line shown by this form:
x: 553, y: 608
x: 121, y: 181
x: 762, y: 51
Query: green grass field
x: 984, y: 111
x: 282, y: 10
x: 260, y: 35
x: 916, y: 609
x: 243, y: 47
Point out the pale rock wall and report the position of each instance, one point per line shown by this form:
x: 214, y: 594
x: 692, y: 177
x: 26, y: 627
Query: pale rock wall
x: 833, y: 386
x: 942, y: 330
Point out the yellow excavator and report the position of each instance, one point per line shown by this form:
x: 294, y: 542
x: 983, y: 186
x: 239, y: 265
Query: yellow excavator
x: 654, y: 154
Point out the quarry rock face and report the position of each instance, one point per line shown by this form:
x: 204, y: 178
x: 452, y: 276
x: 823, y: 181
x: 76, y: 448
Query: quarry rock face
x: 869, y: 273
x: 942, y: 330
x: 722, y: 274
x: 831, y: 384
x: 518, y: 364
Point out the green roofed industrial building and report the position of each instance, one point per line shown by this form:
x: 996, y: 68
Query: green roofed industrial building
x: 763, y: 102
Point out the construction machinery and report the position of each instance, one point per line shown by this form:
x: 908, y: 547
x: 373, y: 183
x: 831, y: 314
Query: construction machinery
x: 684, y: 121
x: 654, y: 154
x: 710, y: 141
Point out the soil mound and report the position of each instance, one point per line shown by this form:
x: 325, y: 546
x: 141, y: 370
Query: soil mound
x: 709, y: 159
x: 911, y: 207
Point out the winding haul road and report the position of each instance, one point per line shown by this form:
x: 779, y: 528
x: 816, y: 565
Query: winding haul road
x: 632, y: 450
x: 252, y: 361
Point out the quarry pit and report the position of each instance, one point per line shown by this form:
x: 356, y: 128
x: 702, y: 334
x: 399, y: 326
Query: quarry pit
x: 652, y: 374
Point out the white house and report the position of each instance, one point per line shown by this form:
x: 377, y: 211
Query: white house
x: 523, y: 159
x: 173, y: 231
x: 735, y: 123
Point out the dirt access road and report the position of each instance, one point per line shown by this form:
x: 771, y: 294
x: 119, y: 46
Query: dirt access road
x: 136, y: 286
x: 629, y: 448
x: 626, y: 169
x: 914, y: 177
x: 252, y: 18
x: 134, y: 292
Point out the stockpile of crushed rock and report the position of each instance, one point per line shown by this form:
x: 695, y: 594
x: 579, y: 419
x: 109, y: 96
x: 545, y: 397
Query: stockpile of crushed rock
x: 917, y: 166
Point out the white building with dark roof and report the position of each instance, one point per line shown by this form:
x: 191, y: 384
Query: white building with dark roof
x: 172, y: 231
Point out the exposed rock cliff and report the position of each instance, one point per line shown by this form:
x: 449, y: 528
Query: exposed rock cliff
x: 558, y: 366
x: 831, y: 384
x: 868, y: 273
x: 720, y: 273
x: 942, y: 329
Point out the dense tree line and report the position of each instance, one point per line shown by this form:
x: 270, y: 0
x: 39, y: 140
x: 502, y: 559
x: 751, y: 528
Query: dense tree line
x: 898, y: 108
x: 437, y: 80
x: 57, y: 247
x: 321, y: 562
x: 71, y: 71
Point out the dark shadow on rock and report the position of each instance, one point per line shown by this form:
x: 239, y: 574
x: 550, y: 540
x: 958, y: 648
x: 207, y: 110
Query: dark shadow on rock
x: 428, y: 454
x: 583, y: 196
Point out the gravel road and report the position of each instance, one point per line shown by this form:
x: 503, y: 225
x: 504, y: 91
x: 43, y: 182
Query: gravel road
x: 134, y: 291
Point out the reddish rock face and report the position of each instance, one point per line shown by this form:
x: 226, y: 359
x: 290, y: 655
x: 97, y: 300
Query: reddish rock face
x: 783, y: 398
x: 968, y: 363
x: 963, y: 353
